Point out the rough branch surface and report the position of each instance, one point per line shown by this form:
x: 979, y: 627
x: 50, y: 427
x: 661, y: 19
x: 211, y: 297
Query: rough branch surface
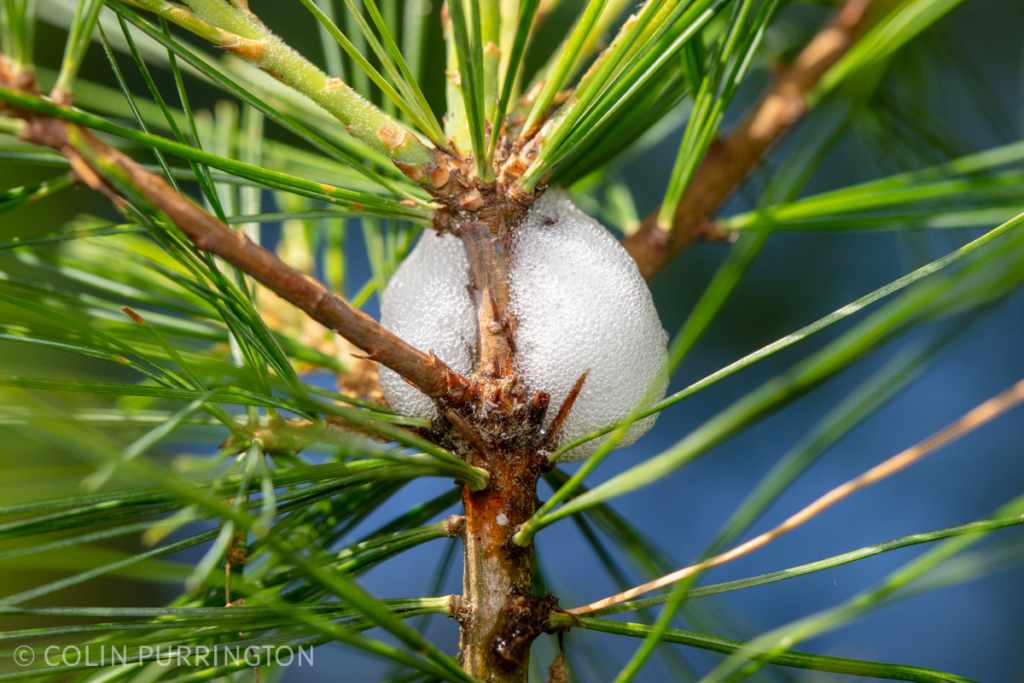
x: 491, y: 419
x: 426, y: 371
x: 729, y: 160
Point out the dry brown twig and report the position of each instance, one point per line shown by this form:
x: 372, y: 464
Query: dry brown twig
x: 986, y: 412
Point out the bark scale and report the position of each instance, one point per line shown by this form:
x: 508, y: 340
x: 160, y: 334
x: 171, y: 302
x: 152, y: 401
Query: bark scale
x: 498, y: 574
x: 497, y: 429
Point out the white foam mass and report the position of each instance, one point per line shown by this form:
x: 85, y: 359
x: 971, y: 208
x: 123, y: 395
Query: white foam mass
x: 580, y: 304
x: 427, y: 304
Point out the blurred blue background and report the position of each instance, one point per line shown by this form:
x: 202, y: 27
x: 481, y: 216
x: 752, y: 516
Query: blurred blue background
x: 974, y: 629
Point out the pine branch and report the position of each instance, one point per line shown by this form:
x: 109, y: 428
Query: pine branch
x: 978, y: 417
x: 425, y: 371
x: 730, y: 160
x: 240, y: 32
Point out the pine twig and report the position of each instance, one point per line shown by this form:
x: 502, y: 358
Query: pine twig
x: 239, y: 31
x: 731, y: 159
x: 981, y: 415
x: 427, y: 372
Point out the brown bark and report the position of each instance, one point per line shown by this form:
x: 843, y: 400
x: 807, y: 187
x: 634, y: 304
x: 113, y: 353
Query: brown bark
x: 489, y: 418
x: 209, y: 234
x: 487, y: 247
x: 729, y: 160
x: 498, y: 617
x: 497, y: 573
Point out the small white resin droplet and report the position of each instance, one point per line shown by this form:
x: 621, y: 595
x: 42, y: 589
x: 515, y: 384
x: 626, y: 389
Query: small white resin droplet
x: 501, y: 519
x: 427, y: 304
x: 581, y: 304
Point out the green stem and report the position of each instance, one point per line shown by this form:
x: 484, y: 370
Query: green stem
x: 364, y: 66
x: 456, y: 122
x: 79, y: 37
x: 643, y: 45
x: 243, y: 34
x: 508, y: 25
x: 17, y: 28
x: 511, y: 58
x: 490, y: 22
x: 611, y: 11
x: 567, y: 58
x: 467, y: 33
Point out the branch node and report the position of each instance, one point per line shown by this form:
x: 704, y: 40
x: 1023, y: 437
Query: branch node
x: 454, y: 526
x: 523, y: 618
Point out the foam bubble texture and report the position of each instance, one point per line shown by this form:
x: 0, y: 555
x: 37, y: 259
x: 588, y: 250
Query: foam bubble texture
x: 581, y: 304
x: 427, y: 304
